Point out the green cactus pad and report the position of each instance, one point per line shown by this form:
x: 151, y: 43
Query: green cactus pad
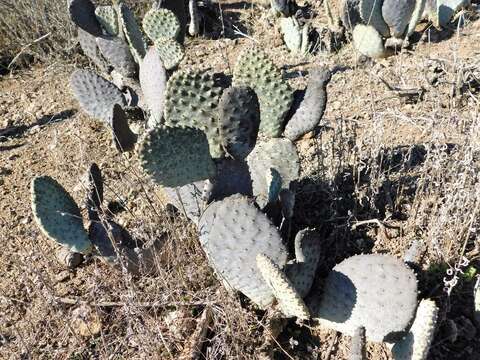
x: 108, y: 18
x: 290, y: 302
x: 95, y: 94
x: 161, y: 23
x: 416, y: 16
x: 368, y: 41
x: 82, y: 13
x: 278, y: 154
x: 295, y: 36
x: 377, y: 292
x: 132, y: 33
x: 180, y: 11
x: 188, y: 199
x: 117, y: 53
x: 123, y: 138
x: 310, y: 112
x: 171, y: 52
x: 153, y: 81
x: 397, y: 15
x: 57, y: 215
x: 239, y: 121
x: 416, y: 344
x: 192, y: 100
x: 232, y: 233
x: 371, y: 13
x: 176, y: 156
x: 254, y: 69
x: 301, y: 272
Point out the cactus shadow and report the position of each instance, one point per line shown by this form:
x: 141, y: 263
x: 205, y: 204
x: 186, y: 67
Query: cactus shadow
x: 224, y: 21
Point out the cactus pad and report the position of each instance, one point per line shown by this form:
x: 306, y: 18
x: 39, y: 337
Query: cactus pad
x: 118, y: 54
x: 82, y: 13
x: 123, y: 138
x: 159, y: 23
x: 278, y: 154
x: 368, y: 41
x: 132, y: 33
x: 289, y: 301
x: 192, y: 100
x: 188, y: 199
x: 171, y: 52
x: 88, y: 43
x: 416, y: 344
x: 232, y: 233
x: 301, y: 272
x: 176, y: 156
x: 108, y: 18
x: 397, y: 15
x: 256, y: 70
x: 377, y: 292
x: 153, y: 80
x: 311, y: 110
x: 371, y: 13
x: 57, y: 215
x: 95, y: 94
x: 180, y: 11
x: 239, y: 121
x: 416, y: 16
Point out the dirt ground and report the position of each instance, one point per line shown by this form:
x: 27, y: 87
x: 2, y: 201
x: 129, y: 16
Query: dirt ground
x: 388, y: 166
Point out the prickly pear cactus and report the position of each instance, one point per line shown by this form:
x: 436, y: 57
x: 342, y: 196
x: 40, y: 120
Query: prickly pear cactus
x: 108, y: 18
x: 132, y: 33
x: 295, y: 36
x: 171, y: 52
x: 397, y: 15
x: 416, y: 344
x: 278, y: 154
x: 188, y: 199
x: 371, y: 13
x: 82, y: 13
x: 180, y: 11
x: 377, y: 292
x: 192, y: 100
x: 368, y: 41
x: 118, y: 54
x: 57, y: 215
x: 290, y: 302
x: 161, y: 23
x: 239, y: 121
x: 232, y: 233
x: 123, y: 138
x: 301, y: 271
x: 153, y: 81
x: 254, y: 69
x: 176, y: 156
x: 311, y: 110
x: 88, y: 43
x: 96, y: 95
x: 416, y: 16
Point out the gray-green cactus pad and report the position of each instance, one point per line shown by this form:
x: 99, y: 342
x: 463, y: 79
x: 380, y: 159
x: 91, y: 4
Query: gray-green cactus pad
x: 278, y: 154
x: 176, y: 156
x: 123, y: 138
x: 239, y: 121
x: 254, y: 69
x: 57, y: 215
x: 377, y: 292
x: 132, y: 33
x: 153, y: 80
x: 82, y: 13
x: 159, y: 23
x: 88, y: 43
x: 180, y: 11
x: 171, y: 52
x: 290, y: 302
x: 310, y: 111
x: 188, y: 199
x: 416, y: 344
x: 192, y: 100
x: 371, y: 13
x: 301, y: 272
x: 232, y: 233
x: 368, y: 41
x: 295, y: 35
x: 107, y: 17
x: 232, y: 177
x: 416, y: 16
x: 105, y: 237
x: 96, y: 95
x: 117, y: 53
x: 397, y: 15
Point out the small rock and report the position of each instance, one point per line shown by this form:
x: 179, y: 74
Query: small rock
x: 85, y: 321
